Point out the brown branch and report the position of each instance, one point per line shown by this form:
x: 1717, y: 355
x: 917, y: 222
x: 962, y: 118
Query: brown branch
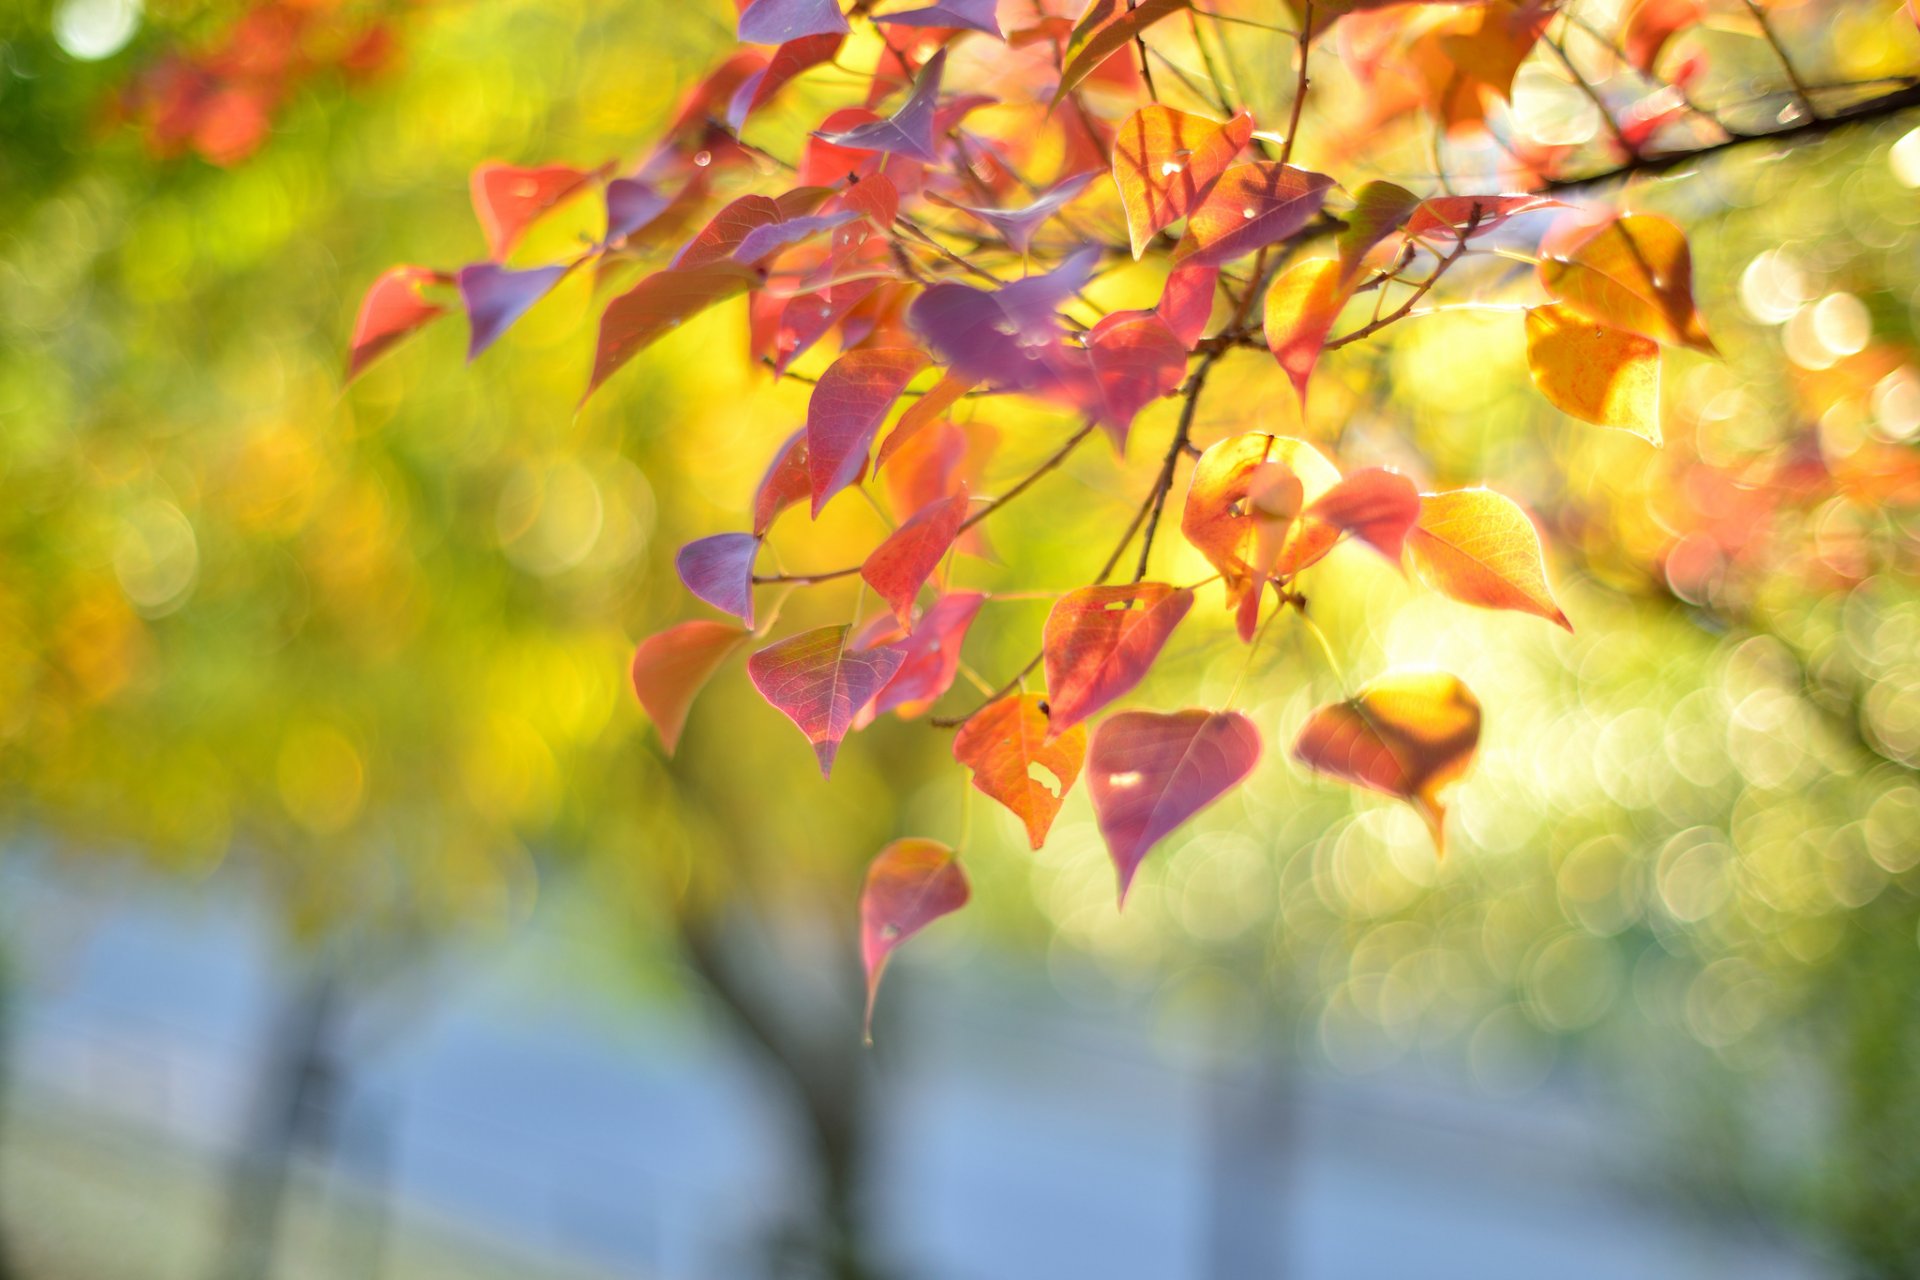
x: 1300, y: 84
x: 1163, y: 485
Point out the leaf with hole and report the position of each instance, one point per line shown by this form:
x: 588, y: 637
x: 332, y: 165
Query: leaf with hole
x: 1099, y: 642
x: 1149, y: 771
x: 1016, y: 763
x: 910, y: 884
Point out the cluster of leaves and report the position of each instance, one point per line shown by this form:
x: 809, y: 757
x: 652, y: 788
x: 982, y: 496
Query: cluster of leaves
x: 898, y: 232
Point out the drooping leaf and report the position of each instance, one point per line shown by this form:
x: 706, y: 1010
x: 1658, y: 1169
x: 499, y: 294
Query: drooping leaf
x: 788, y: 61
x: 907, y: 132
x: 779, y: 21
x: 1018, y: 224
x: 507, y: 200
x: 1376, y: 505
x: 1148, y: 772
x: 785, y: 482
x: 846, y: 409
x: 1099, y: 642
x: 1379, y: 210
x: 1634, y: 273
x: 1136, y: 360
x: 1409, y: 735
x: 1220, y: 523
x: 1107, y: 28
x: 1599, y: 375
x: 1186, y: 303
x: 962, y: 15
x: 657, y: 305
x: 1455, y: 214
x: 1005, y: 742
x: 719, y: 569
x: 924, y: 411
x: 932, y: 656
x: 392, y: 311
x: 1302, y: 305
x: 1478, y: 547
x: 901, y: 565
x: 1250, y: 207
x: 670, y: 669
x: 821, y: 685
x: 1166, y: 161
x: 496, y: 297
x: 775, y: 236
x: 910, y: 884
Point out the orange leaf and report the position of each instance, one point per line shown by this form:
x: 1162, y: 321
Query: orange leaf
x: 1004, y: 742
x: 1166, y: 161
x: 1379, y: 209
x: 940, y: 397
x: 1220, y: 521
x: 1099, y: 642
x: 901, y: 565
x: 393, y: 310
x: 1599, y: 375
x: 508, y: 200
x: 1409, y: 735
x: 1377, y: 506
x: 1301, y: 307
x: 1478, y: 547
x: 1634, y: 273
x: 671, y: 668
x: 910, y: 884
x: 656, y: 306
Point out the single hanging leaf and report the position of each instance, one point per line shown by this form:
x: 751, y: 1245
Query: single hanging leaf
x: 1379, y: 210
x: 910, y: 884
x: 508, y: 200
x: 924, y: 411
x: 670, y: 669
x: 779, y: 21
x: 657, y: 305
x: 1377, y: 506
x: 496, y: 297
x: 1455, y: 214
x: 1409, y: 735
x: 1478, y: 547
x: 1219, y: 522
x: 1166, y: 161
x: 1148, y: 772
x: 819, y: 684
x: 784, y: 483
x: 846, y: 409
x: 1099, y: 642
x: 1301, y: 307
x: 960, y: 15
x: 719, y: 570
x: 901, y: 565
x: 1252, y: 206
x: 1634, y: 273
x: 1017, y: 225
x: 907, y: 132
x: 788, y: 61
x: 1186, y: 303
x: 392, y: 311
x: 1005, y: 742
x: 1605, y: 376
x: 1107, y: 28
x: 1136, y: 360
x: 932, y: 656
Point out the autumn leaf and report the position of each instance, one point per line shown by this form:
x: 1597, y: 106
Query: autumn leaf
x: 1136, y: 360
x: 1018, y: 224
x: 846, y: 410
x: 924, y: 411
x: 1647, y: 25
x: 1468, y: 216
x: 1149, y: 771
x: 1186, y: 303
x: 1166, y: 161
x: 762, y: 242
x: 1478, y: 547
x: 632, y: 203
x: 1104, y: 31
x: 1409, y: 735
x: 496, y: 297
x: 1007, y: 337
x: 507, y: 200
x: 1634, y: 273
x: 719, y: 570
x: 785, y: 482
x: 1219, y: 523
x: 1005, y: 742
x: 670, y: 669
x: 910, y: 884
x: 961, y: 15
x: 392, y: 311
x: 657, y: 305
x: 932, y: 656
x: 1302, y: 305
x: 779, y: 21
x: 1099, y: 641
x: 1605, y: 376
x: 901, y: 565
x: 820, y: 684
x: 1376, y: 505
x: 1379, y: 210
x: 788, y: 61
x: 726, y: 229
x: 907, y: 132
x: 1250, y: 207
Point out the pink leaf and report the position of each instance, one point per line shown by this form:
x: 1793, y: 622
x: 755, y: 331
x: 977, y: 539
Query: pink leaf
x: 807, y: 317
x: 820, y: 684
x: 1252, y: 206
x: 1099, y: 642
x: 669, y: 670
x: 719, y: 570
x: 847, y: 408
x: 1376, y: 505
x: 1136, y: 360
x: 1148, y: 772
x: 778, y: 21
x: 763, y: 241
x: 784, y: 484
x: 1186, y: 304
x: 392, y: 311
x: 496, y: 297
x: 933, y: 656
x: 910, y: 884
x: 901, y: 565
x: 508, y: 200
x: 909, y: 131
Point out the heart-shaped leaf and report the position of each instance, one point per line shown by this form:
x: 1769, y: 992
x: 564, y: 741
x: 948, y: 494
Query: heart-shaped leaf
x: 1099, y: 642
x: 907, y: 132
x: 1301, y: 307
x: 1148, y: 772
x: 507, y: 200
x: 1221, y: 524
x: 1599, y: 375
x: 846, y: 409
x: 1166, y: 161
x: 392, y: 311
x: 1633, y: 273
x: 910, y: 884
x: 670, y: 669
x: 1409, y: 735
x: 901, y: 565
x: 1252, y: 206
x: 819, y: 684
x: 657, y: 305
x: 779, y: 21
x: 496, y: 297
x: 719, y: 569
x: 1478, y: 547
x: 1005, y: 742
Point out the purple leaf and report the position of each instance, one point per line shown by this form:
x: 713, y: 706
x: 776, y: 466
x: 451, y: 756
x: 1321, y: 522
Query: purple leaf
x: 778, y: 21
x: 1009, y: 337
x: 820, y: 684
x: 788, y: 61
x: 762, y: 241
x: 631, y: 205
x: 1250, y: 207
x: 1018, y: 225
x: 495, y: 297
x: 719, y: 570
x: 907, y: 132
x: 967, y: 15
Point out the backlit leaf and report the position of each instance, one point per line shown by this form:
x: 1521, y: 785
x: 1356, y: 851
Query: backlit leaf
x: 932, y: 656
x: 847, y: 408
x: 1376, y: 505
x: 726, y: 230
x: 901, y: 565
x: 496, y: 297
x: 1409, y: 735
x: 788, y: 61
x: 1220, y: 523
x: 1597, y: 374
x: 1005, y: 742
x: 392, y: 311
x: 1136, y: 360
x: 1301, y: 307
x: 1479, y: 547
x: 1483, y: 213
x: 910, y: 884
x: 1649, y: 24
x: 907, y: 132
x: 1166, y: 161
x: 1186, y: 304
x: 1007, y: 337
x: 1148, y: 772
x: 1108, y: 27
x: 1634, y: 273
x: 1379, y: 210
x: 657, y: 305
x: 785, y: 482
x: 819, y: 684
x: 669, y: 670
x: 763, y: 241
x: 924, y: 411
x: 1099, y: 642
x: 719, y: 569
x: 778, y: 21
x: 631, y: 205
x: 1250, y: 207
x: 507, y: 200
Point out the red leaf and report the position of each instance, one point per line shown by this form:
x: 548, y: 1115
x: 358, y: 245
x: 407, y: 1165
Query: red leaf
x: 933, y: 656
x: 1136, y: 360
x: 496, y: 297
x: 1376, y: 505
x: 847, y: 408
x: 784, y: 484
x: 1301, y: 308
x: 910, y: 884
x: 719, y: 570
x: 392, y: 310
x: 788, y: 61
x: 909, y: 131
x: 1103, y: 31
x: 1166, y: 161
x: 1252, y: 206
x: 1186, y: 304
x: 1649, y: 24
x: 805, y: 319
x: 874, y: 198
x: 669, y: 670
x: 658, y: 304
x: 778, y: 21
x: 726, y: 229
x: 1099, y: 642
x: 508, y: 200
x: 943, y: 395
x: 1456, y: 213
x: 1149, y: 772
x: 1004, y: 741
x: 901, y: 565
x: 820, y: 684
